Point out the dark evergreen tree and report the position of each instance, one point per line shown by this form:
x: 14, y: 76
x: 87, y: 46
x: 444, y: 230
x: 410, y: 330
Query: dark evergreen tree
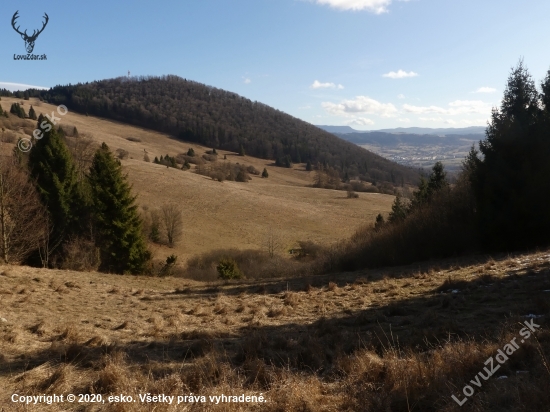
x: 398, y: 210
x: 346, y: 177
x: 241, y: 150
x: 379, y: 223
x: 420, y: 196
x: 52, y: 168
x: 508, y: 202
x: 32, y: 114
x: 17, y: 110
x: 428, y: 188
x: 265, y: 175
x: 191, y: 152
x: 287, y: 162
x: 118, y: 225
x: 438, y: 179
x: 309, y: 168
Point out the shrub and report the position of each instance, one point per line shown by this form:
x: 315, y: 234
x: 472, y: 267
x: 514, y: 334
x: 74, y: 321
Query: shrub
x: 265, y: 175
x: 80, y: 254
x: 253, y: 264
x: 195, y: 160
x: 352, y: 194
x: 191, y: 152
x: 309, y: 249
x: 252, y: 170
x: 228, y: 269
x: 122, y: 154
x: 168, y: 267
x: 210, y: 157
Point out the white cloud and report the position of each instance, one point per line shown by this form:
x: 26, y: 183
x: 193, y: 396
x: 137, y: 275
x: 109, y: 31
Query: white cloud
x: 361, y: 104
x: 485, y: 90
x: 361, y: 121
x: 423, y: 109
x: 431, y: 119
x: 404, y: 120
x: 455, y: 108
x: 400, y: 96
x: 19, y: 86
x: 374, y: 6
x: 469, y: 106
x: 400, y: 74
x: 318, y: 85
x: 246, y: 80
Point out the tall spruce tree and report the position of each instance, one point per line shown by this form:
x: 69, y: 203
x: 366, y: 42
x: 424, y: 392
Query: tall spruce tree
x: 118, y: 225
x: 511, y: 161
x: 51, y: 167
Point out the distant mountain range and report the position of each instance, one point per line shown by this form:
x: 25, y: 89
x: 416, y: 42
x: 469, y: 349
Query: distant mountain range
x: 408, y: 130
x: 417, y: 147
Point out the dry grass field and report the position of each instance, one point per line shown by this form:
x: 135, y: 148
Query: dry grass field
x: 397, y: 339
x: 229, y: 214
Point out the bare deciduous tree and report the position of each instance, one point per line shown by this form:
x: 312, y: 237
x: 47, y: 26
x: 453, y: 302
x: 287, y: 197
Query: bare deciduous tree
x: 22, y: 215
x: 172, y: 223
x: 82, y: 148
x: 272, y: 243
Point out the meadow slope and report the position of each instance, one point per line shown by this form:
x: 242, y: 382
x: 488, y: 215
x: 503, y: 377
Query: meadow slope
x: 229, y: 214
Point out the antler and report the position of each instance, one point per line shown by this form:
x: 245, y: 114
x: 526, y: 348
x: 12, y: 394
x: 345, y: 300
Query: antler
x: 35, y: 34
x: 13, y: 21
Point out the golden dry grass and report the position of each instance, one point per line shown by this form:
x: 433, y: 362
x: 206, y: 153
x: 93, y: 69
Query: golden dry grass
x: 229, y: 214
x: 397, y: 339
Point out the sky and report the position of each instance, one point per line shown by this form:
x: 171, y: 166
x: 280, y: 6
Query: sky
x: 369, y: 64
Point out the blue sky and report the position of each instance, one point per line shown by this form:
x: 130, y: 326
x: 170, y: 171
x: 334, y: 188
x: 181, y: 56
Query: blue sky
x: 370, y: 64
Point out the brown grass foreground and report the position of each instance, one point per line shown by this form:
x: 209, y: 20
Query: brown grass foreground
x: 399, y: 339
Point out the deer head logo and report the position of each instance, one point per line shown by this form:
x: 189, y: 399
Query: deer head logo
x: 29, y: 40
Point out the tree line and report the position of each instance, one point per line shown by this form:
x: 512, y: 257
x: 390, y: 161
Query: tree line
x: 499, y: 202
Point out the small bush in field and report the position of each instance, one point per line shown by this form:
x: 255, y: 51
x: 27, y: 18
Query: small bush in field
x: 352, y: 194
x: 122, y: 154
x: 228, y: 269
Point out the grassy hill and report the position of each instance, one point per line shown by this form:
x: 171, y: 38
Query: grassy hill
x: 219, y: 215
x: 400, y: 339
x: 216, y: 118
